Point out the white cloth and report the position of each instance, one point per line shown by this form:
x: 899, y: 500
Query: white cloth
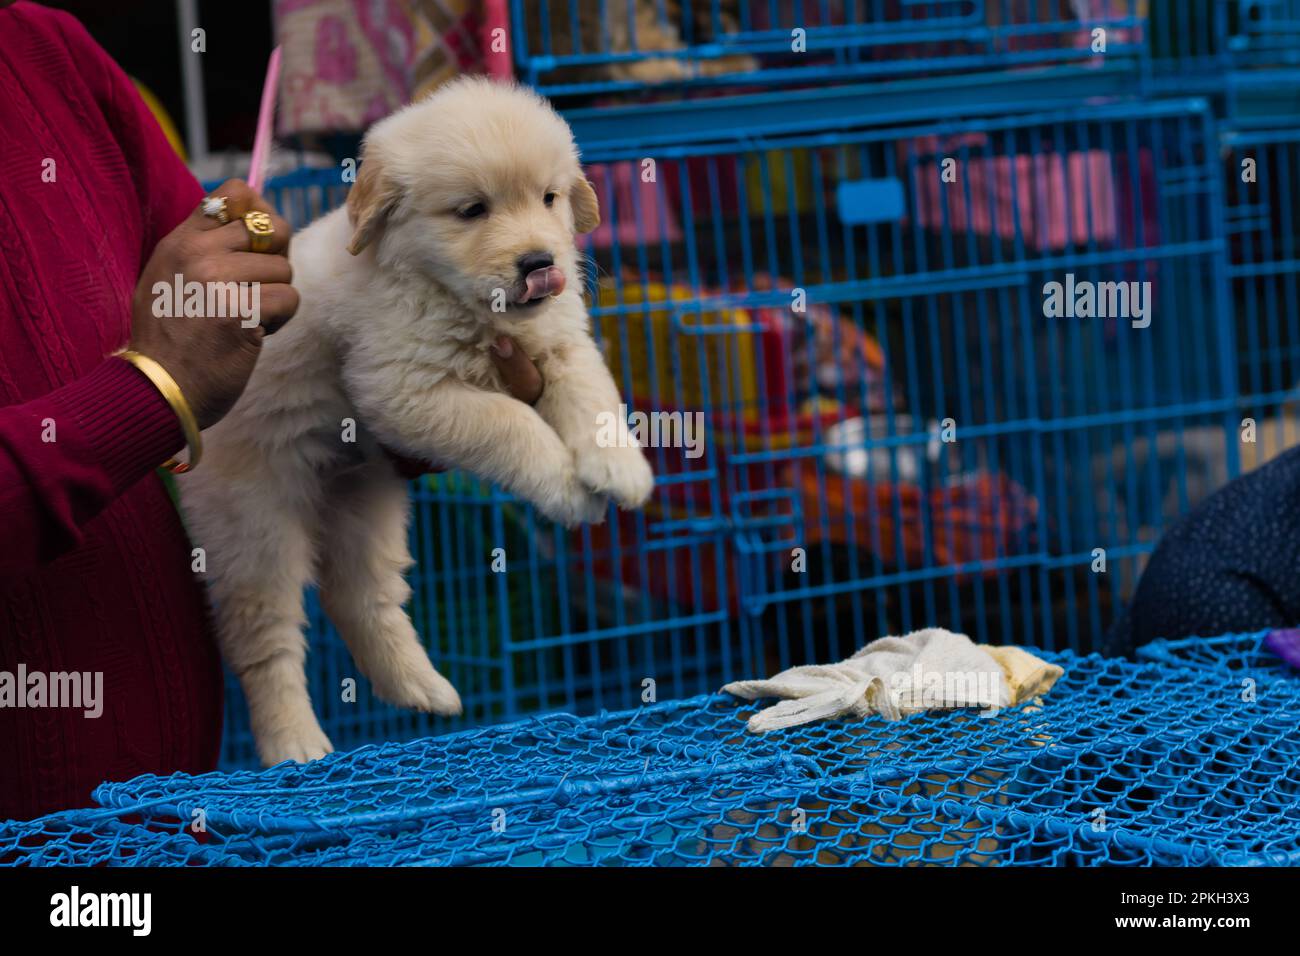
x: 893, y: 677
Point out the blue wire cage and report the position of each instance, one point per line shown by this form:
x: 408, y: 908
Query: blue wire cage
x: 586, y: 47
x: 602, y: 47
x: 1202, y: 41
x: 1264, y: 236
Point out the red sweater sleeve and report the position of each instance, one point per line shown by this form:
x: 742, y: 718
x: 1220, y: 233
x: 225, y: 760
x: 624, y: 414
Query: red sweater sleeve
x: 66, y: 455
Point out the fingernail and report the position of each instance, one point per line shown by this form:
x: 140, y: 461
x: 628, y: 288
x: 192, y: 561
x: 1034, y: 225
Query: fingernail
x: 503, y: 346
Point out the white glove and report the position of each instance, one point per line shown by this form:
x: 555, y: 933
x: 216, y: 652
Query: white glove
x: 893, y: 677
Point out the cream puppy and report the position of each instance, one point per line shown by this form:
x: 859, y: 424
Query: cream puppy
x: 460, y: 228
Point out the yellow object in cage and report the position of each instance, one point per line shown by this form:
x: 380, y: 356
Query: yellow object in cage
x: 773, y: 194
x: 714, y: 370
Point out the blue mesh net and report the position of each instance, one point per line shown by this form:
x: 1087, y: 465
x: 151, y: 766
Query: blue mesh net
x: 1234, y: 652
x: 97, y: 838
x: 1122, y: 764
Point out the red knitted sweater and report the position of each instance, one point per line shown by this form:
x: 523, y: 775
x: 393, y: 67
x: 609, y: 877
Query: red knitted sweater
x: 94, y: 564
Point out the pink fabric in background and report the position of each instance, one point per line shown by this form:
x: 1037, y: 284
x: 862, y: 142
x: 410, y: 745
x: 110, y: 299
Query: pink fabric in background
x: 642, y: 211
x: 347, y: 63
x: 1053, y: 199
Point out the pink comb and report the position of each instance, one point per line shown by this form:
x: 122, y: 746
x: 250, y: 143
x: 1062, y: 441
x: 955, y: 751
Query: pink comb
x: 265, y: 121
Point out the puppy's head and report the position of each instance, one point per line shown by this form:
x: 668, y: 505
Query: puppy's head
x: 479, y: 188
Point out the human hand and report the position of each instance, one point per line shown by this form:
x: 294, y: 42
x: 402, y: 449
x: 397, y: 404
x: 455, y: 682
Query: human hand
x: 212, y: 356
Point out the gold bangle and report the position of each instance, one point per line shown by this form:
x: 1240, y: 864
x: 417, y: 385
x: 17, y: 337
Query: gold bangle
x: 172, y: 393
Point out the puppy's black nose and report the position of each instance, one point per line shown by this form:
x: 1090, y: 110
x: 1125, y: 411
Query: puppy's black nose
x: 532, y: 261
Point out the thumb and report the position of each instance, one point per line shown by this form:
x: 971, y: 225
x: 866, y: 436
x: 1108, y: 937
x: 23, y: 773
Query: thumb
x: 522, y: 377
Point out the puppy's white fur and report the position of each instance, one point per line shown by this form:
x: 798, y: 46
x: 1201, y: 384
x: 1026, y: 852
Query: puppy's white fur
x: 397, y: 316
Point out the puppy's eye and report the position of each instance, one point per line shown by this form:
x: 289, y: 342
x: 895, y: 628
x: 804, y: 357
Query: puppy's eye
x: 472, y: 211
x: 549, y: 199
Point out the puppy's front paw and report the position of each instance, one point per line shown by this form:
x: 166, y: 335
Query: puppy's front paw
x: 301, y: 742
x: 622, y: 473
x: 573, y: 503
x: 410, y: 680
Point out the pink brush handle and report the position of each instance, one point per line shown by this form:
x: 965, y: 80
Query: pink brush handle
x: 496, y: 17
x: 265, y: 122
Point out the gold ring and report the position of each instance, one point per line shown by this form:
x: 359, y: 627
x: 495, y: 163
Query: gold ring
x: 260, y: 230
x: 214, y: 207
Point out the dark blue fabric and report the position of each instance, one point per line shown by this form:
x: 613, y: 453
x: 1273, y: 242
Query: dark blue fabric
x: 1229, y: 566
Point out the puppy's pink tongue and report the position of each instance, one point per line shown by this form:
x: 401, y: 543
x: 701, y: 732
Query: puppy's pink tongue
x: 540, y: 282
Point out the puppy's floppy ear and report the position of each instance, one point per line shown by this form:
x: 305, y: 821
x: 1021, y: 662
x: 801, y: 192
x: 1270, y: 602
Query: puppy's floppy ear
x: 586, y: 211
x: 370, y: 201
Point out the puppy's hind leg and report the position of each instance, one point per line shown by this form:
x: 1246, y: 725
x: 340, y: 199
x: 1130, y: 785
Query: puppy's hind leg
x: 362, y: 588
x: 259, y: 558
